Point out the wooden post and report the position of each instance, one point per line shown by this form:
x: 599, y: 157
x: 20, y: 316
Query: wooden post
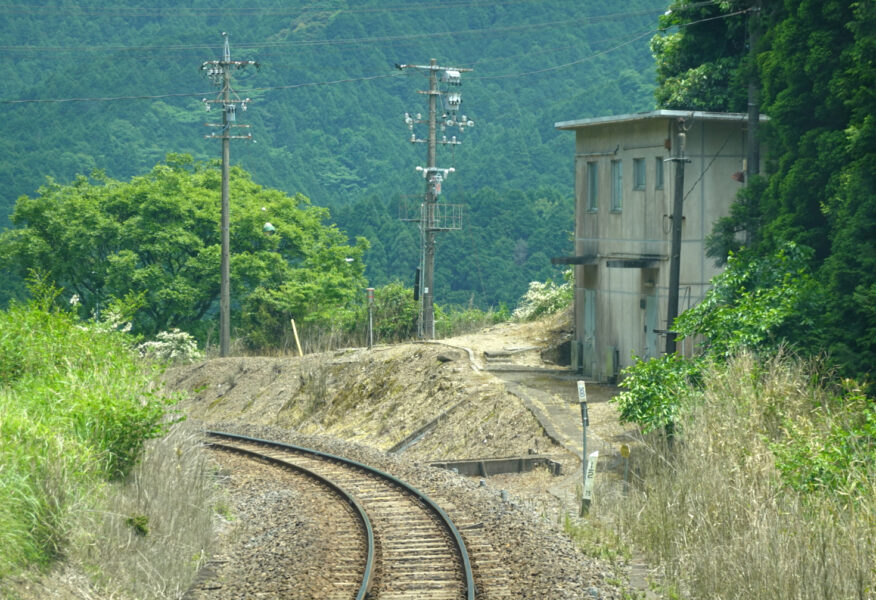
x: 295, y: 333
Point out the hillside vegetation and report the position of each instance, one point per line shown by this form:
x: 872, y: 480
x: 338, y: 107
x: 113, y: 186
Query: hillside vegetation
x: 327, y: 111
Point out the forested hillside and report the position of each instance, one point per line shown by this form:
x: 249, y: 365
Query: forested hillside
x: 327, y: 106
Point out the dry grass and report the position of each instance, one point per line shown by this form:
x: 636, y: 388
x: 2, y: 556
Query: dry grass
x: 155, y: 530
x: 713, y: 512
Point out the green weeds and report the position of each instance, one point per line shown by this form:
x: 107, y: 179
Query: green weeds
x: 75, y: 409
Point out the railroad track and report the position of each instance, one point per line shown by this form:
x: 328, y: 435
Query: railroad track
x: 409, y: 548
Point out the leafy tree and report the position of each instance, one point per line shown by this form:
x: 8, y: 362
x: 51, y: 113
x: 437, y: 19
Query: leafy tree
x: 756, y: 304
x: 654, y: 389
x: 395, y: 313
x: 814, y: 68
x: 158, y: 236
x: 700, y: 56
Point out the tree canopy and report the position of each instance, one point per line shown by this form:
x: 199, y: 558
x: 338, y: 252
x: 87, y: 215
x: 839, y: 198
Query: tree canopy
x: 813, y: 66
x: 156, y: 238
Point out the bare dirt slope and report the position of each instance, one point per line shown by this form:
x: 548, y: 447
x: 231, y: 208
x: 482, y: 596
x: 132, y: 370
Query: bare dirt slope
x: 433, y: 399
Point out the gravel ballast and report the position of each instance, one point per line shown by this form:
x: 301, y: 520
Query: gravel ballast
x: 536, y: 559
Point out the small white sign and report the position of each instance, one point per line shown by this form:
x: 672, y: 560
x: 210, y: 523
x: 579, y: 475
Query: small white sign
x: 591, y: 475
x: 582, y: 392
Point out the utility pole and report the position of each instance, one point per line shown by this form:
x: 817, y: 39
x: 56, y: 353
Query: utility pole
x: 675, y: 245
x: 219, y: 72
x: 435, y: 217
x: 752, y: 157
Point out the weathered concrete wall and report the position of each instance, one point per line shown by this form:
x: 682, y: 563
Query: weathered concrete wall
x: 622, y: 289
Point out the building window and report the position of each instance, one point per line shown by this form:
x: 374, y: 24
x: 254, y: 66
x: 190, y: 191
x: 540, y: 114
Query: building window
x: 617, y: 189
x: 658, y: 170
x: 638, y: 173
x: 592, y: 186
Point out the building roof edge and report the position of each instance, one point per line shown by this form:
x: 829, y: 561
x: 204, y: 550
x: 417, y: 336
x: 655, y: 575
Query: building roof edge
x: 654, y: 114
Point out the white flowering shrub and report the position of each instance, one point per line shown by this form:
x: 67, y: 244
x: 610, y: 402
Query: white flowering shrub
x: 112, y: 320
x: 544, y: 299
x: 171, y: 346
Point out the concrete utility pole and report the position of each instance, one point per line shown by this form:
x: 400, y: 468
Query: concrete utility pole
x: 219, y: 72
x: 752, y: 155
x: 675, y: 247
x: 435, y: 217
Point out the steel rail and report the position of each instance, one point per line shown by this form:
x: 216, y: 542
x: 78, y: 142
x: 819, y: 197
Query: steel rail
x: 448, y: 524
x: 367, y: 578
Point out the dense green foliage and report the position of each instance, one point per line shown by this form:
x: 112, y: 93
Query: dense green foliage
x: 157, y: 238
x: 506, y: 241
x: 813, y: 66
x: 762, y: 308
x: 329, y: 142
x: 654, y: 391
x: 757, y: 304
x: 341, y: 144
x: 75, y: 408
x: 699, y: 66
x: 831, y: 446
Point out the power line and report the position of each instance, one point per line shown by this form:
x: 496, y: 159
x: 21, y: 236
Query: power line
x: 339, y: 42
x: 366, y: 78
x: 574, y: 62
x: 197, y: 94
x: 618, y: 46
x: 260, y: 11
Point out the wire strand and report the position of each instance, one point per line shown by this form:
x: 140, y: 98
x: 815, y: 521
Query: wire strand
x: 357, y: 79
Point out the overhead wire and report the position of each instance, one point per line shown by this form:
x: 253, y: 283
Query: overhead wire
x: 358, y: 79
x: 569, y: 64
x: 250, y: 11
x: 333, y: 42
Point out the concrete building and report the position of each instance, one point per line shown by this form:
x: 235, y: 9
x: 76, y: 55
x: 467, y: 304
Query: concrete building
x: 625, y: 174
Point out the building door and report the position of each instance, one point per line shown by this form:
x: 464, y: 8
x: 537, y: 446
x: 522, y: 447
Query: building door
x: 588, y: 353
x: 650, y: 326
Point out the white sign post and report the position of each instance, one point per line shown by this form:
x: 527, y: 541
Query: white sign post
x: 589, y: 478
x: 585, y: 423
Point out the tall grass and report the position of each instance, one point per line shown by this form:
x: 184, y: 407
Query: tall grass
x: 75, y: 409
x: 147, y: 537
x: 715, y: 508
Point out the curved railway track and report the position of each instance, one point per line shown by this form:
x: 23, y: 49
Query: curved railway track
x: 415, y: 549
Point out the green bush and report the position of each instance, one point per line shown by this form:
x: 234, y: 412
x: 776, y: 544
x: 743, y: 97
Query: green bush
x: 831, y: 446
x: 654, y: 390
x: 395, y: 313
x: 75, y: 409
x: 755, y: 304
